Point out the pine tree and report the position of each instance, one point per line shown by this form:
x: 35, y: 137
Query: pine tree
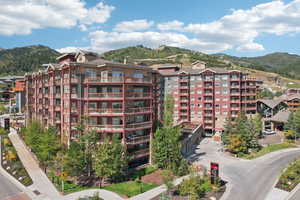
x: 166, y: 143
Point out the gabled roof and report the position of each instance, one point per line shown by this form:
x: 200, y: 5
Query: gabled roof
x: 293, y: 96
x: 281, y: 116
x: 272, y: 103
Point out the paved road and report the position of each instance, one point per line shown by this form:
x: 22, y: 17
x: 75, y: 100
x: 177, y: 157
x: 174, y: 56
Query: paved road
x: 7, y: 189
x: 250, y: 180
x: 295, y: 196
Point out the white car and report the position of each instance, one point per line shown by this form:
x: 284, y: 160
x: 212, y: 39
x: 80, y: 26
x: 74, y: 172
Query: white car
x: 268, y: 132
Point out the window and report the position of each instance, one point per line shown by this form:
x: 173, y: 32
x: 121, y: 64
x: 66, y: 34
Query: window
x: 93, y: 120
x: 90, y: 73
x: 117, y: 75
x: 138, y: 74
x: 116, y: 121
x: 93, y: 105
x: 116, y: 105
x: 224, y: 77
x: 57, y: 102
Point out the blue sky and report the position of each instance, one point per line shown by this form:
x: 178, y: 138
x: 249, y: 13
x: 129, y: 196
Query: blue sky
x: 241, y: 28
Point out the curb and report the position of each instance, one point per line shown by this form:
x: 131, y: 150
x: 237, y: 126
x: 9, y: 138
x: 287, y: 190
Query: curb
x: 293, y: 192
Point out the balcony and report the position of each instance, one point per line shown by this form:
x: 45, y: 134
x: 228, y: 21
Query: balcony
x: 105, y: 110
x: 57, y: 120
x: 138, y: 80
x: 138, y: 95
x: 57, y: 107
x: 140, y: 153
x: 139, y: 110
x: 147, y: 124
x: 57, y: 82
x: 74, y: 80
x: 106, y: 95
x: 106, y: 127
x: 74, y: 96
x: 235, y: 108
x: 57, y: 95
x: 234, y: 94
x: 138, y: 139
x: 118, y: 80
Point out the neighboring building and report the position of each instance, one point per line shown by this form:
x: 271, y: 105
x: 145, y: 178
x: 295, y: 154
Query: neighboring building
x: 192, y: 134
x: 19, y: 90
x: 209, y: 96
x: 291, y: 91
x: 293, y: 101
x: 119, y: 99
x: 271, y: 111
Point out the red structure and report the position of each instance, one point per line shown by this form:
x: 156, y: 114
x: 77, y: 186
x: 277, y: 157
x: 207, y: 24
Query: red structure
x: 110, y: 98
x: 208, y: 96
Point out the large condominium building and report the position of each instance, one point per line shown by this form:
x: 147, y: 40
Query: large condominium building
x: 114, y: 99
x: 208, y: 96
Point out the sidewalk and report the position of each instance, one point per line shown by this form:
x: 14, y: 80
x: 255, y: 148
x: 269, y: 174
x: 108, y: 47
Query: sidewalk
x: 41, y: 183
x: 104, y: 194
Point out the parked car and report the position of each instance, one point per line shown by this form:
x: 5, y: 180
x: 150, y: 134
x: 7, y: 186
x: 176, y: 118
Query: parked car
x: 268, y: 132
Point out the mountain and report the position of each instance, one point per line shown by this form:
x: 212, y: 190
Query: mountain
x: 162, y: 55
x: 282, y: 63
x: 18, y: 61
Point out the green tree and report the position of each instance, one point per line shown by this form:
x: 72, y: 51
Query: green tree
x: 168, y: 178
x: 89, y: 141
x: 48, y: 147
x: 236, y: 144
x: 74, y: 163
x: 167, y: 145
x: 102, y: 162
x: 119, y: 159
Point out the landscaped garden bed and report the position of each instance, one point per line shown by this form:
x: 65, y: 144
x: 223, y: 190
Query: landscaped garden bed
x: 290, y: 177
x: 268, y: 149
x: 11, y: 162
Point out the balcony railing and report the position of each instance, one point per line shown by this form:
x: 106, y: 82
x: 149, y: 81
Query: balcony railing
x: 105, y: 110
x: 137, y: 94
x: 138, y: 110
x: 140, y: 153
x: 106, y: 127
x: 57, y: 95
x: 139, y: 125
x: 106, y: 95
x: 138, y: 139
x: 104, y: 80
x: 138, y: 80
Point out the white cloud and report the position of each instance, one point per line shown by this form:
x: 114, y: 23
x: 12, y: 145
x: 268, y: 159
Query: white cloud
x: 171, y: 25
x: 70, y: 49
x: 103, y: 41
x: 242, y: 27
x: 238, y: 30
x: 250, y: 47
x: 135, y: 25
x: 22, y: 16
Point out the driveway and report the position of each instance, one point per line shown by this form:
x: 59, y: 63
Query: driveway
x: 247, y: 180
x: 7, y: 189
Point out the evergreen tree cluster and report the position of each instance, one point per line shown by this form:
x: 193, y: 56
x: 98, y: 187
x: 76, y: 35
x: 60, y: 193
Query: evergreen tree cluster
x: 167, y: 144
x: 241, y: 135
x: 292, y: 127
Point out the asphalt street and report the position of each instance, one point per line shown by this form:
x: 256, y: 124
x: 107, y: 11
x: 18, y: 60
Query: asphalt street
x: 7, y: 189
x: 250, y: 180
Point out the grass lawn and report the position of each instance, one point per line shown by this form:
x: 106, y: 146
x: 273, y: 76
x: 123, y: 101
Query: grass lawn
x: 269, y: 149
x: 130, y: 188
